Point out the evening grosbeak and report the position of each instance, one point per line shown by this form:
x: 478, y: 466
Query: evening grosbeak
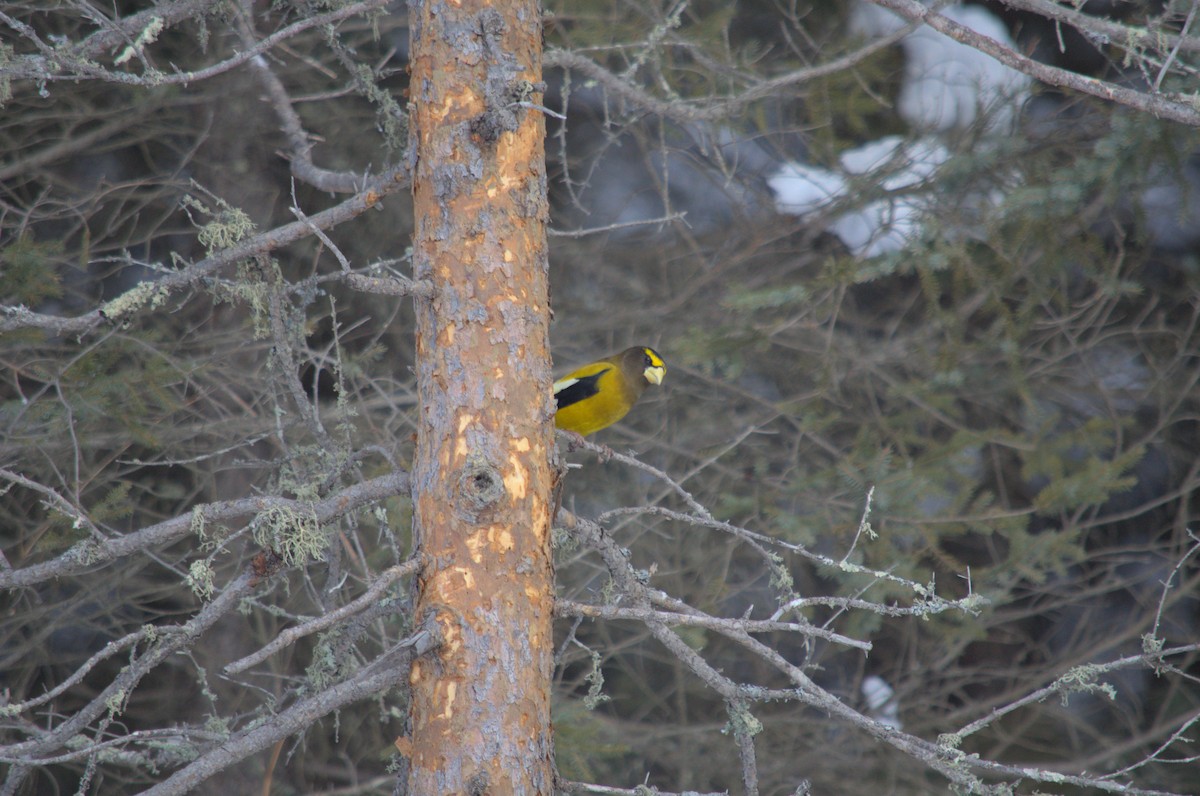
x: 599, y: 394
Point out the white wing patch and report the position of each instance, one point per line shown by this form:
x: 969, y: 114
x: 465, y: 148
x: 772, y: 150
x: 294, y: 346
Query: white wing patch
x: 563, y: 384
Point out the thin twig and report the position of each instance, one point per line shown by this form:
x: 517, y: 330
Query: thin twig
x: 91, y: 554
x: 293, y: 634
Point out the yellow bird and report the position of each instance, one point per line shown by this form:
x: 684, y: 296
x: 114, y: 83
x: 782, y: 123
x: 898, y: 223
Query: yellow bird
x: 597, y: 395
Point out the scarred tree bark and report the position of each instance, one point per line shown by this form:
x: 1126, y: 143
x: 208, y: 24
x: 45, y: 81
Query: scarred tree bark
x: 480, y: 712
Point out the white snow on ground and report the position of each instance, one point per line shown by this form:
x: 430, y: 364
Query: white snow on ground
x: 880, y: 705
x: 948, y: 85
x: 882, y: 226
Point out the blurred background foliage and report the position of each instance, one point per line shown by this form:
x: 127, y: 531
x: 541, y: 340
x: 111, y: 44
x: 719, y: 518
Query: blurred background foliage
x: 1018, y: 386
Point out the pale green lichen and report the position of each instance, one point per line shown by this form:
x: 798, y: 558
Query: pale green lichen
x: 949, y: 740
x: 296, y: 535
x: 1045, y: 775
x: 781, y: 579
x: 742, y: 723
x: 217, y: 724
x: 229, y: 224
x: 250, y: 288
x: 324, y: 669
x: 1083, y: 680
x: 148, y: 36
x: 87, y: 553
x: 563, y: 541
x: 198, y: 526
x: 116, y: 702
x: 6, y: 54
x: 151, y: 294
x: 200, y: 579
x: 609, y: 592
x: 595, y: 680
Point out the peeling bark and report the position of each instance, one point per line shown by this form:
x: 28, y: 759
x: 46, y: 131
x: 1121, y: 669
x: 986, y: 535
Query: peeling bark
x: 480, y: 712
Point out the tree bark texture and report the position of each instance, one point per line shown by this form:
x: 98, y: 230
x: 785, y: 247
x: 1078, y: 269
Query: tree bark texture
x: 482, y: 478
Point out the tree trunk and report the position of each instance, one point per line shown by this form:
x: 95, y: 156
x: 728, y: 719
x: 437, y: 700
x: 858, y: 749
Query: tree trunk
x: 480, y: 712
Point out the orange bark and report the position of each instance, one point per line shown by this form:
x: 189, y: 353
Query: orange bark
x: 480, y: 712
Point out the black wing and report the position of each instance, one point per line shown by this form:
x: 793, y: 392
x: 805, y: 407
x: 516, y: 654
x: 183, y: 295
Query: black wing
x: 584, y: 387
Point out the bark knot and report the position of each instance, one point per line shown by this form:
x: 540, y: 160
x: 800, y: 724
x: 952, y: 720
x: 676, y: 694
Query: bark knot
x: 480, y: 488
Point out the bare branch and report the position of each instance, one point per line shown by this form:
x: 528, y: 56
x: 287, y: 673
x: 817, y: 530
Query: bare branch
x: 290, y: 636
x: 389, y: 286
x: 694, y: 618
x: 387, y: 671
x: 170, y: 641
x: 605, y: 790
x: 712, y: 108
x: 54, y: 65
x: 300, y: 157
x: 373, y: 192
x: 1176, y: 107
x: 90, y: 554
x: 1106, y: 31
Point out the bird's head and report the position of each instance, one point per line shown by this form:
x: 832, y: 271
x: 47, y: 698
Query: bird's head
x: 649, y: 362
